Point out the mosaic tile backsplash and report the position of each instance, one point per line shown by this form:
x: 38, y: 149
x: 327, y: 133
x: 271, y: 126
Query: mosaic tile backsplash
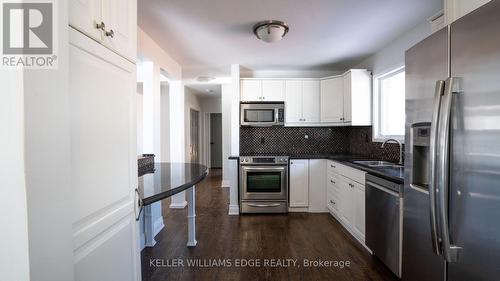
x: 315, y: 140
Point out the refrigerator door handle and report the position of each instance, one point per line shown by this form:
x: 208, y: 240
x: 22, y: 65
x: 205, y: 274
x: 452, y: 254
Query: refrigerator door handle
x: 432, y: 167
x: 450, y: 251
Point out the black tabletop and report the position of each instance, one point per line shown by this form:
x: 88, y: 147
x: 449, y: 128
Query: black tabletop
x: 168, y: 179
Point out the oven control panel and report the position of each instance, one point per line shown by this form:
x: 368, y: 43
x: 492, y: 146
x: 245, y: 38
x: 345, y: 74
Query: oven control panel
x: 264, y: 160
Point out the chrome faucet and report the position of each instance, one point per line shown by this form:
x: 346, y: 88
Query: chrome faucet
x: 400, y: 149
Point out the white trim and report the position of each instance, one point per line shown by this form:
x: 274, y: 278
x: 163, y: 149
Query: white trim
x: 178, y: 205
x: 376, y: 137
x: 225, y: 183
x: 158, y: 225
x: 234, y: 210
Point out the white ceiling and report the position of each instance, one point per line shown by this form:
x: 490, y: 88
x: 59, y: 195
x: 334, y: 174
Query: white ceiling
x: 206, y: 90
x: 205, y: 37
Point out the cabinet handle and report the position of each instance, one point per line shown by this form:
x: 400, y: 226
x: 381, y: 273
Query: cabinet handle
x: 331, y: 201
x: 351, y: 185
x: 333, y: 166
x: 100, y: 26
x: 332, y: 181
x: 110, y: 33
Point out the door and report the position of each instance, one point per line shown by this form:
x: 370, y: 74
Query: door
x: 345, y: 204
x: 83, y: 16
x: 263, y: 182
x: 105, y: 233
x: 475, y: 182
x: 310, y: 101
x: 347, y: 101
x: 293, y: 101
x: 215, y: 140
x: 251, y: 90
x: 273, y: 90
x: 426, y: 63
x: 299, y: 183
x: 332, y: 97
x: 194, y: 134
x: 120, y: 17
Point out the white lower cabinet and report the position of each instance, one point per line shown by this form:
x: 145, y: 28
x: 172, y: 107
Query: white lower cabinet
x: 299, y: 183
x: 308, y: 186
x: 346, y: 197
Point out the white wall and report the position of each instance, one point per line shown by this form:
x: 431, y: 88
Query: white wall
x: 393, y: 54
x: 165, y: 121
x: 140, y: 131
x: 192, y: 101
x: 211, y: 104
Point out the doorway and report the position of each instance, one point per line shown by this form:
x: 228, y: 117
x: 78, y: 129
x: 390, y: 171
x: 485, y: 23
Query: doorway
x: 216, y: 140
x: 195, y: 136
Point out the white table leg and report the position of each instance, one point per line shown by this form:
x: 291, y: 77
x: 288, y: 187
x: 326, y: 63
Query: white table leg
x: 191, y: 217
x: 148, y: 227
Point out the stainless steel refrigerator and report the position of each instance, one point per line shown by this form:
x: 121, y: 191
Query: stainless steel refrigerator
x: 451, y: 226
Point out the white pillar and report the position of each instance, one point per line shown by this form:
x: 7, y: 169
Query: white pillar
x: 151, y: 140
x: 232, y: 167
x: 177, y: 138
x: 191, y: 216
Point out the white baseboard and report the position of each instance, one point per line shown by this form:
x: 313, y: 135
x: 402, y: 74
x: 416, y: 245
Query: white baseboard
x: 298, y: 209
x: 158, y: 225
x: 234, y: 210
x: 225, y: 183
x: 178, y: 205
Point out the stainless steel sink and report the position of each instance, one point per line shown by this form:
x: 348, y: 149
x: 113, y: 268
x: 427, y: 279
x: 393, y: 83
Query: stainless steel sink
x: 377, y: 164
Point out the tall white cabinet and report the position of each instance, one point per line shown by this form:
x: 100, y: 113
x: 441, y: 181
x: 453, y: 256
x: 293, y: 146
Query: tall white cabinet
x: 102, y: 81
x: 299, y: 183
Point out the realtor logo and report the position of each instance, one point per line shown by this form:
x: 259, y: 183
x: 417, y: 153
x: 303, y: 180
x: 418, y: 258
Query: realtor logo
x: 28, y: 34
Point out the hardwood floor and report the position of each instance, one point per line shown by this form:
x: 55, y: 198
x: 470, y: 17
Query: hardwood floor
x: 296, y: 236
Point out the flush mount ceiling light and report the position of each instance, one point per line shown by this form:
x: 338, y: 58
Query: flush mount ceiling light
x: 270, y: 31
x: 205, y: 78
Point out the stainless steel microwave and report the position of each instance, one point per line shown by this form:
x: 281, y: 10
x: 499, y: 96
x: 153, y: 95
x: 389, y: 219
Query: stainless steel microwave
x: 262, y: 114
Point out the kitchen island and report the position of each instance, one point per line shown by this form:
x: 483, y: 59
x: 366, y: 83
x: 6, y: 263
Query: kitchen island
x: 166, y: 180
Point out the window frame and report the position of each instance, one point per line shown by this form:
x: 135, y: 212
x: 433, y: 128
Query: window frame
x: 376, y: 135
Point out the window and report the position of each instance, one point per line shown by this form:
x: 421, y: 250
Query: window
x: 389, y: 105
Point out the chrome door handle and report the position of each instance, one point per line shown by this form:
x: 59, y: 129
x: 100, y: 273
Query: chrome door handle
x: 264, y: 205
x: 432, y: 167
x: 110, y: 33
x: 450, y: 251
x: 100, y: 26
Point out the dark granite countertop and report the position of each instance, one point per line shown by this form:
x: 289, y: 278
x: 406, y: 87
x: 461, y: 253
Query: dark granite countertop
x: 168, y: 179
x: 392, y: 174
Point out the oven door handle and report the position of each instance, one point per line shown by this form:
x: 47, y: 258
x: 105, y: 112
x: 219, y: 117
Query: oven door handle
x: 264, y: 168
x: 264, y: 205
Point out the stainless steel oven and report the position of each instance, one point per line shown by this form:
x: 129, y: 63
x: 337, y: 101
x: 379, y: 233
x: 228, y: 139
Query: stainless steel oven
x: 262, y: 114
x: 263, y: 184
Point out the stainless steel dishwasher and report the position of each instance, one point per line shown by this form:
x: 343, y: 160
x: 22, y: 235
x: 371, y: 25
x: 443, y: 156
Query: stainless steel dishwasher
x: 384, y: 221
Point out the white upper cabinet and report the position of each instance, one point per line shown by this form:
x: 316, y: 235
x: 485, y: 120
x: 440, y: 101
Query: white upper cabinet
x: 302, y: 102
x: 262, y: 90
x: 121, y: 17
x: 358, y: 97
x: 112, y: 23
x: 273, y: 90
x: 332, y: 96
x: 341, y: 100
x: 293, y: 101
x: 251, y: 90
x: 310, y: 101
x: 84, y: 15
